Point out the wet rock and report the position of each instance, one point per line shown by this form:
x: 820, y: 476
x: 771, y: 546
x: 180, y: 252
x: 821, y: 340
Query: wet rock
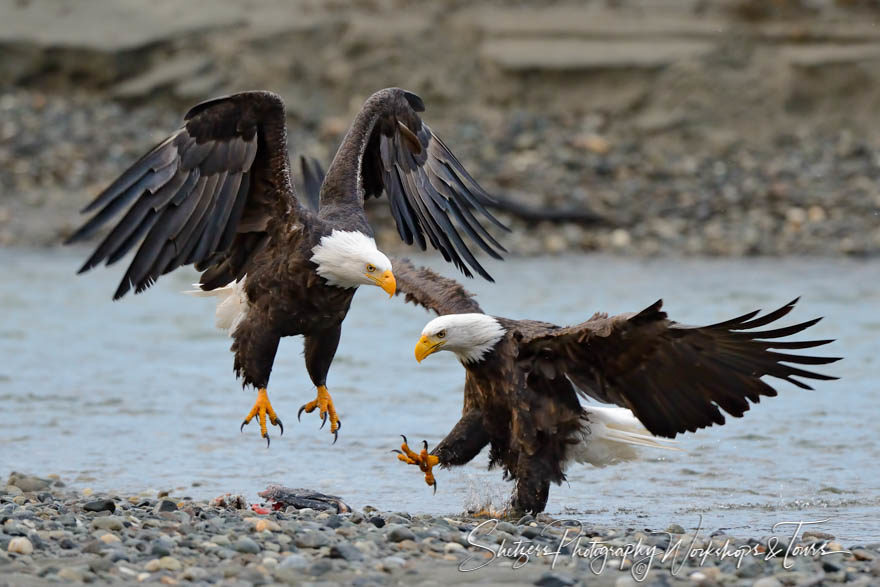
x: 246, y: 545
x: 107, y: 523
x: 169, y: 563
x: 294, y: 561
x: 377, y: 521
x: 20, y: 545
x: 71, y: 574
x: 100, y: 505
x: 345, y: 551
x: 555, y: 580
x: 314, y: 539
x: 675, y: 529
x: 767, y: 582
x: 165, y: 505
x: 398, y: 533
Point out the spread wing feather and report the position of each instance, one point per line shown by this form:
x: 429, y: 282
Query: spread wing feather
x: 673, y: 377
x: 211, y: 194
x: 433, y: 198
x: 426, y: 288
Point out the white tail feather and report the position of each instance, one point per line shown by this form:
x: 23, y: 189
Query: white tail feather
x: 612, y: 435
x: 232, y: 306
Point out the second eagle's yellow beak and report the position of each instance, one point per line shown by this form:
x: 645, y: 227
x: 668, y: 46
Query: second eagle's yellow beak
x: 386, y: 281
x: 426, y: 347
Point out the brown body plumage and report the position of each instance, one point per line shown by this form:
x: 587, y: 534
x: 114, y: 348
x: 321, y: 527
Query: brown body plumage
x: 521, y: 391
x: 217, y: 194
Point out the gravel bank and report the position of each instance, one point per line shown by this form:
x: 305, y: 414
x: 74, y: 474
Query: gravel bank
x: 808, y: 192
x: 50, y: 534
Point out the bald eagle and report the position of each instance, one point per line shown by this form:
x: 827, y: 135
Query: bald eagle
x: 523, y: 379
x: 217, y: 194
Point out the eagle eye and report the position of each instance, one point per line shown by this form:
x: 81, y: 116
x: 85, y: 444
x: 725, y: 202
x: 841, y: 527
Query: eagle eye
x: 441, y: 334
x: 371, y: 268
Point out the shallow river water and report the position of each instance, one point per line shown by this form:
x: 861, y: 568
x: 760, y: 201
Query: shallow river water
x: 140, y: 394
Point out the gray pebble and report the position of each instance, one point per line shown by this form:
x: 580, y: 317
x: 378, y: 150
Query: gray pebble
x: 398, y: 533
x: 246, y: 545
x: 165, y: 505
x: 554, y: 580
x: 294, y: 561
x: 100, y: 505
x: 346, y: 551
x: 107, y: 523
x: 314, y: 539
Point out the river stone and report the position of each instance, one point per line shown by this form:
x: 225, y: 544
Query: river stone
x: 315, y: 539
x: 399, y: 533
x: 107, y: 523
x: 71, y: 574
x: 377, y: 521
x: 345, y: 551
x: 767, y: 582
x: 169, y: 563
x: 507, y: 527
x: 100, y: 505
x: 162, y: 546
x: 100, y: 565
x: 294, y: 561
x: 20, y: 545
x: 246, y: 545
x: 165, y: 505
x: 675, y: 529
x: 554, y: 580
x: 28, y: 483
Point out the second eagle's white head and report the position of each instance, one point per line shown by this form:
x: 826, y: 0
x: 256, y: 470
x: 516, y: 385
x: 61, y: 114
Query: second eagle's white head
x: 470, y: 336
x: 350, y: 259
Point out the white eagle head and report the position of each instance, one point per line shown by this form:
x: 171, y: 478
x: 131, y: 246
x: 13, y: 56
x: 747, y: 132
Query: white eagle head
x: 349, y: 258
x: 470, y: 336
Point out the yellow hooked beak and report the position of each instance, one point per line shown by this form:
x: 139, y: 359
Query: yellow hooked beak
x: 386, y: 281
x: 426, y: 347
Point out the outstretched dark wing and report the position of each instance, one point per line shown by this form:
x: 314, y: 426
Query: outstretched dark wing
x: 312, y: 177
x: 673, y: 377
x: 432, y: 291
x: 211, y: 194
x: 433, y: 198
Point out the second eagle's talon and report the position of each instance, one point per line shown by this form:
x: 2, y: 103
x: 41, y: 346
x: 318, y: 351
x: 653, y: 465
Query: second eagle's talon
x: 423, y: 460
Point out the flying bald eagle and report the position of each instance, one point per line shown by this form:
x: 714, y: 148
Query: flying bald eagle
x: 217, y: 194
x: 523, y: 379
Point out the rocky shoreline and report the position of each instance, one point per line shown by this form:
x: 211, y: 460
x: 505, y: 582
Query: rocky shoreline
x: 812, y: 193
x: 50, y: 534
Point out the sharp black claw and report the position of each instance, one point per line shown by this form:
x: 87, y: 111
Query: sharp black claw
x: 243, y: 424
x: 323, y: 421
x: 397, y: 451
x: 435, y: 487
x: 299, y: 413
x: 405, y: 441
x: 280, y: 425
x: 335, y: 436
x: 425, y: 444
x: 268, y: 442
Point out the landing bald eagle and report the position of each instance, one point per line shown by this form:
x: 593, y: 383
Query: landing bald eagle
x: 217, y: 194
x: 523, y: 378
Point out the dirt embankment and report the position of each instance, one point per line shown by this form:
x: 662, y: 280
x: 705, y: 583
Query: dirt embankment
x: 725, y: 127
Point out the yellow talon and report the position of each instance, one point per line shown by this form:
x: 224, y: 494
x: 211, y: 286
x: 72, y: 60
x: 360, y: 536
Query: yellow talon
x: 423, y: 460
x: 262, y: 408
x: 324, y: 403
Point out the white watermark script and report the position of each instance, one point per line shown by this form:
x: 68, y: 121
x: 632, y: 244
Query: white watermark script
x: 563, y: 540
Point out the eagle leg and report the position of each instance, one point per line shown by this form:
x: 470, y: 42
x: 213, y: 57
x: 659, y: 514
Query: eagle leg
x: 324, y: 403
x: 262, y: 408
x: 424, y: 461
